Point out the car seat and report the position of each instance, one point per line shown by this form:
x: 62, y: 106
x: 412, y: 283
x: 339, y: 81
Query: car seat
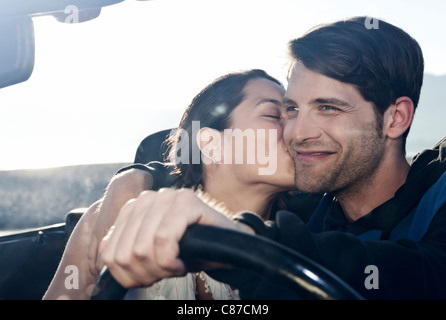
x: 153, y: 148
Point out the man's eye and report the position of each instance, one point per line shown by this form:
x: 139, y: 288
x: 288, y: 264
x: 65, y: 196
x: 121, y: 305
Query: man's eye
x: 328, y: 108
x: 291, y: 111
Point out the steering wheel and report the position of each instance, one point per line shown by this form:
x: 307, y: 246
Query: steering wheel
x: 248, y: 252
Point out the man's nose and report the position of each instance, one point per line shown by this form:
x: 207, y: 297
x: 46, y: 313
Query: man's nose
x: 301, y: 128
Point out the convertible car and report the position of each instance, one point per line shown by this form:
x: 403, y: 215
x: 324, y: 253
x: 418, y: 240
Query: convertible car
x: 29, y: 257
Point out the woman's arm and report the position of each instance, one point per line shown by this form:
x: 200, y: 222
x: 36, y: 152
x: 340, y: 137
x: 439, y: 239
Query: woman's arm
x: 72, y: 279
x: 82, y: 248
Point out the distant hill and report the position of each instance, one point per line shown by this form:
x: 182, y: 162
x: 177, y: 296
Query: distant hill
x: 33, y: 198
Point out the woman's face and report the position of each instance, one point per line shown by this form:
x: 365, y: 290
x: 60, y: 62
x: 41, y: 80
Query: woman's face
x: 253, y: 145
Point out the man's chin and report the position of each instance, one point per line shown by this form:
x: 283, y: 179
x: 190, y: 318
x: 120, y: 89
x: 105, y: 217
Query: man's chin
x: 309, y: 187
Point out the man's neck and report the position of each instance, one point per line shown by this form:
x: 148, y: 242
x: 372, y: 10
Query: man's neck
x: 360, y: 200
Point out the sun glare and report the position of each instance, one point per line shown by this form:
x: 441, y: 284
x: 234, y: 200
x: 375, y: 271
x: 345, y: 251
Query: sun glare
x: 100, y: 87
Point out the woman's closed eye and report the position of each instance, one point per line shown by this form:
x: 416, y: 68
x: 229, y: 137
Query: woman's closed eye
x: 272, y: 116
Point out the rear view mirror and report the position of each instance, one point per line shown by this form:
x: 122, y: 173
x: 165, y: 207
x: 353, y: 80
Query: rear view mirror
x: 16, y: 49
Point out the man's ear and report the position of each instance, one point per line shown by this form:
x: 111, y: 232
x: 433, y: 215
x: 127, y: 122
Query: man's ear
x: 398, y: 117
x: 209, y: 142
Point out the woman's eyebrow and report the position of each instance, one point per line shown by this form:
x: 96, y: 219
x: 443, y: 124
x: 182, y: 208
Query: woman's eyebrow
x: 268, y: 100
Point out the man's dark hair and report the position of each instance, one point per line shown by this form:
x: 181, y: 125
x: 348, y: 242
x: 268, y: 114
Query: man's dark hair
x: 383, y: 63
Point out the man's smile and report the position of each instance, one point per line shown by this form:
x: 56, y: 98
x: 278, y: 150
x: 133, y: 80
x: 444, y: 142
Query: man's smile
x: 309, y: 156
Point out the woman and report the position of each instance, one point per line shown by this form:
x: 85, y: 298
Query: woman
x: 244, y: 106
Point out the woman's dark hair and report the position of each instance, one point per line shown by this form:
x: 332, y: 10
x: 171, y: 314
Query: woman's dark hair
x: 212, y: 107
x: 384, y: 63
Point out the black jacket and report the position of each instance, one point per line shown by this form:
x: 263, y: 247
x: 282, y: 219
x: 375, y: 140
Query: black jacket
x: 407, y: 269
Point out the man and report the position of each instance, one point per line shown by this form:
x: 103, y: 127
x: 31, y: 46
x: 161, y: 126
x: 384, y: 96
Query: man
x: 350, y: 101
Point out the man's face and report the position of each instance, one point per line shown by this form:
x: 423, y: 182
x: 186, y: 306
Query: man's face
x: 331, y: 132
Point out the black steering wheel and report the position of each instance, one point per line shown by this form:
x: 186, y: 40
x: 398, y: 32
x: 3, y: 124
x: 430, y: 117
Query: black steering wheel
x: 248, y: 252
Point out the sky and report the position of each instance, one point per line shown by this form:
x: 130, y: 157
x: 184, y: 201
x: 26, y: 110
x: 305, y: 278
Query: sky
x: 100, y: 87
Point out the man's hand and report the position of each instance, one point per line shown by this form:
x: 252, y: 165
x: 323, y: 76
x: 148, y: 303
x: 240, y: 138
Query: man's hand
x: 122, y: 188
x: 143, y: 245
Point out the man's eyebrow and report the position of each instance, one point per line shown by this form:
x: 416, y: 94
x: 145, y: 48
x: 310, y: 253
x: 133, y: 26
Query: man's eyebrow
x: 286, y: 100
x: 268, y: 100
x: 333, y: 101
